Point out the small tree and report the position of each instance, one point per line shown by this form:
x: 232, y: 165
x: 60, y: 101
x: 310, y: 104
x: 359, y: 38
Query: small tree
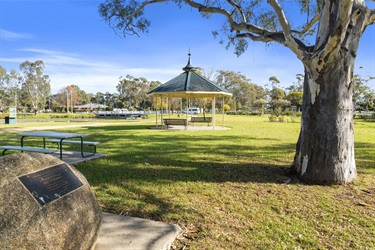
x: 360, y: 90
x: 226, y: 107
x: 133, y: 91
x: 295, y: 99
x: 277, y: 93
x: 260, y: 103
x: 244, y: 92
x: 3, y: 75
x: 11, y: 87
x: 279, y: 106
x: 298, y: 85
x: 36, y: 86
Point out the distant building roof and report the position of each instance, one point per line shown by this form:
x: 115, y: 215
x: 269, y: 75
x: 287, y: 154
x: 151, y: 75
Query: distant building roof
x: 190, y: 84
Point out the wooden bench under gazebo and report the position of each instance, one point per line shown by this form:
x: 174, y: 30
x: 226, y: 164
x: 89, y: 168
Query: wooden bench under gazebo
x: 189, y: 85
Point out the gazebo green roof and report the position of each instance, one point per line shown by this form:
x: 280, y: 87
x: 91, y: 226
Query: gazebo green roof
x: 190, y: 84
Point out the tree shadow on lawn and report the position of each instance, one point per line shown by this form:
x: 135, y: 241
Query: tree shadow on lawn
x: 158, y: 159
x: 110, y: 133
x: 365, y: 156
x: 186, y: 157
x: 187, y: 172
x: 161, y: 158
x: 165, y: 141
x: 149, y: 205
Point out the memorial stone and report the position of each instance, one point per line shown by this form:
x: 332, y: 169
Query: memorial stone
x: 45, y: 204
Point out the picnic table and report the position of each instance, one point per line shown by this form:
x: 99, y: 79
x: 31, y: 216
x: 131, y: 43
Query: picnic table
x: 60, y: 136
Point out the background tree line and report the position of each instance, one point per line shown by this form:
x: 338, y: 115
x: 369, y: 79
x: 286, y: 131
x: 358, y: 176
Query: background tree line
x: 30, y: 90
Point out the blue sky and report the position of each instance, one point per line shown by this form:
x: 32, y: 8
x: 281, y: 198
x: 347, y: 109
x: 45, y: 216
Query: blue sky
x: 79, y: 48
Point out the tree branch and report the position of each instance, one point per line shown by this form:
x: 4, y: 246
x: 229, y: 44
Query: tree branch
x: 254, y: 37
x: 255, y: 32
x: 124, y: 16
x: 239, y: 9
x: 143, y: 5
x: 243, y: 26
x: 312, y: 22
x: 129, y: 19
x: 290, y: 41
x: 370, y: 18
x: 212, y: 10
x: 337, y: 36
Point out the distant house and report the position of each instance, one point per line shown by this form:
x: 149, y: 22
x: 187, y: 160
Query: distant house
x: 89, y: 107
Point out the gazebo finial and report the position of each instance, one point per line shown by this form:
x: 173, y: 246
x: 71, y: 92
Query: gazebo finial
x: 189, y: 67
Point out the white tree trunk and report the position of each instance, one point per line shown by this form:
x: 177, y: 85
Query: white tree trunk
x: 325, y: 148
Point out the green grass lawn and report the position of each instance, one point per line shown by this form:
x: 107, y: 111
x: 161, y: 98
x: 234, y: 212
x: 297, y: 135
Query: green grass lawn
x: 226, y: 189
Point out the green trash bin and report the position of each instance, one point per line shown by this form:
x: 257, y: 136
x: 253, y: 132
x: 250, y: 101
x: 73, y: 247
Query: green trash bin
x: 6, y: 119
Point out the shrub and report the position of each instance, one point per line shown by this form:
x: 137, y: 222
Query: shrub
x: 272, y: 118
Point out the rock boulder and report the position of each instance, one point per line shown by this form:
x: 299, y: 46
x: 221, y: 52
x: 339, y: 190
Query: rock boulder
x: 68, y: 220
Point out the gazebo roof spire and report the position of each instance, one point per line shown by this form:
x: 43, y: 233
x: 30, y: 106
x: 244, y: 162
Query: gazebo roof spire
x: 188, y: 66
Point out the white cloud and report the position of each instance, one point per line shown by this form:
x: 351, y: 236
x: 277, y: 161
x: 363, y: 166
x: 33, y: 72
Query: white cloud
x: 94, y: 80
x: 91, y: 75
x: 9, y: 35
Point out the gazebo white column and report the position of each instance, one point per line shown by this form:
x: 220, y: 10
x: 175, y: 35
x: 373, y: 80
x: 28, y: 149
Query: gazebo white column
x: 222, y: 123
x: 161, y: 111
x: 187, y: 112
x: 180, y: 107
x: 156, y: 109
x: 168, y: 107
x: 213, y: 112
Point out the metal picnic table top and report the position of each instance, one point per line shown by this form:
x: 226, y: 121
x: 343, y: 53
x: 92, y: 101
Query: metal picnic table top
x: 57, y: 135
x: 50, y: 134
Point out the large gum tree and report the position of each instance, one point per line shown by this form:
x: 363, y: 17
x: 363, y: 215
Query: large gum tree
x: 326, y: 44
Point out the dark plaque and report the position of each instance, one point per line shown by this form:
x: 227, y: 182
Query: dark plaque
x: 51, y: 183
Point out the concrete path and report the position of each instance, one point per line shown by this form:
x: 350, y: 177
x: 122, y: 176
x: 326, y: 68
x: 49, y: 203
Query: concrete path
x: 74, y: 157
x: 129, y: 233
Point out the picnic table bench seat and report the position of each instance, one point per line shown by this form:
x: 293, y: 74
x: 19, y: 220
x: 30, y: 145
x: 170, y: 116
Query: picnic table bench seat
x: 175, y: 121
x: 27, y: 149
x: 207, y: 120
x: 78, y: 142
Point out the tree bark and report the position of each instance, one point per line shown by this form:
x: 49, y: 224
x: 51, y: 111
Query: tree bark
x: 325, y: 148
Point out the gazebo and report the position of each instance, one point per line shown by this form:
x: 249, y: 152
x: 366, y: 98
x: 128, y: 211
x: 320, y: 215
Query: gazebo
x: 190, y: 84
